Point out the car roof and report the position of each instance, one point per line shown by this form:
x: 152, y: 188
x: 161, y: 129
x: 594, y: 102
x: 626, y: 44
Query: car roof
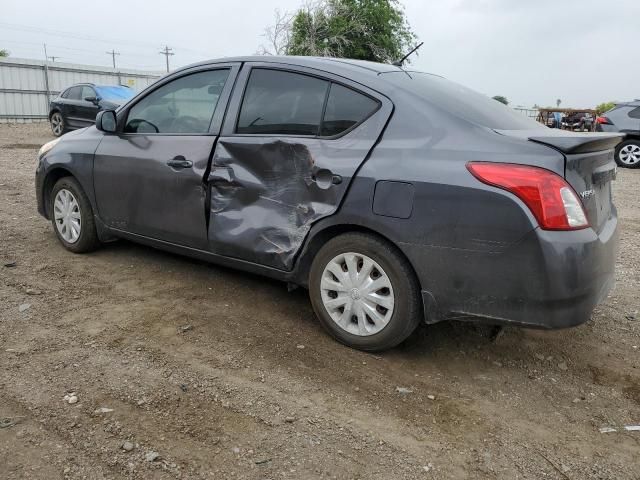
x: 339, y: 66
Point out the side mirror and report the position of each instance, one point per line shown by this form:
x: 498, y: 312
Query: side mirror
x: 91, y: 99
x: 106, y: 121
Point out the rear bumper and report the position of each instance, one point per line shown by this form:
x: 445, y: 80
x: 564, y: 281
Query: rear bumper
x: 547, y: 280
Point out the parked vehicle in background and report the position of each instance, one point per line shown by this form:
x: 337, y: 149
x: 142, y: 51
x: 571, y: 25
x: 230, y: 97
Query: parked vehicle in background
x: 578, y: 121
x: 78, y: 105
x: 624, y: 118
x: 394, y: 196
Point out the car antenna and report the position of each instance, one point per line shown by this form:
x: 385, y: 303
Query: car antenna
x: 403, y: 59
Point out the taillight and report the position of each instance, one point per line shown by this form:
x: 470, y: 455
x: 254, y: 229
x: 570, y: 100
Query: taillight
x: 549, y: 197
x: 604, y: 120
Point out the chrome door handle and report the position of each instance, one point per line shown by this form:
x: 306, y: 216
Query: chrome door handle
x: 180, y: 162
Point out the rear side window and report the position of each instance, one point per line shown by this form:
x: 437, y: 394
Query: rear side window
x: 285, y: 103
x: 74, y: 93
x: 461, y: 101
x: 345, y: 109
x: 635, y: 113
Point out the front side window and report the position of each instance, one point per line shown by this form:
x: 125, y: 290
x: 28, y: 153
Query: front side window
x: 283, y: 103
x: 184, y: 105
x: 345, y: 108
x: 87, y: 92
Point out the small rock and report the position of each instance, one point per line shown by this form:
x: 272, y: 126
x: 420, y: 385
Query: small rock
x: 72, y: 399
x: 428, y: 467
x: 186, y: 328
x: 563, y: 366
x: 539, y: 356
x: 152, y: 456
x: 33, y: 291
x: 23, y: 307
x: 104, y: 410
x: 431, y: 397
x: 183, y: 387
x: 290, y: 419
x: 10, y: 264
x: 66, y: 470
x: 235, y: 450
x: 140, y: 403
x: 403, y: 390
x: 301, y: 347
x: 128, y: 446
x: 497, y: 364
x: 576, y: 400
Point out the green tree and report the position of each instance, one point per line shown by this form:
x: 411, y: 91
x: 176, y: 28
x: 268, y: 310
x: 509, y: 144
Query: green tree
x: 374, y: 30
x: 501, y: 99
x: 604, y: 107
x: 4, y: 53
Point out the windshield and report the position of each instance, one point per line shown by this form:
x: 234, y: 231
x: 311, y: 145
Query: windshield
x: 115, y: 93
x: 462, y: 101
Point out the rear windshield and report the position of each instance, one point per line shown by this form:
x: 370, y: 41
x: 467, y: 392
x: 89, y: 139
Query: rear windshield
x: 462, y: 101
x: 114, y: 93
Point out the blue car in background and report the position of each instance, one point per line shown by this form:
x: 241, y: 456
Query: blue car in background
x: 77, y: 106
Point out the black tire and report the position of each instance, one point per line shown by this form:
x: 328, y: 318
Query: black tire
x: 633, y: 142
x: 88, y: 238
x: 407, y: 312
x: 57, y: 130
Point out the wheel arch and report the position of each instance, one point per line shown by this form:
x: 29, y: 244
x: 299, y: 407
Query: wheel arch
x: 54, y: 110
x: 50, y: 180
x: 319, y: 237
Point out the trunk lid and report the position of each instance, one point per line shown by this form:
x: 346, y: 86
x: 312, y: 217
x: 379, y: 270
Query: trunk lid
x: 589, y: 166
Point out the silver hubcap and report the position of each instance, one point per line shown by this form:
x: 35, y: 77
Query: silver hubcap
x: 66, y: 213
x: 357, y: 294
x: 56, y: 123
x: 630, y: 154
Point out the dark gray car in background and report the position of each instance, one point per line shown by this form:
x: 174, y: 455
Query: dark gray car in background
x: 77, y: 106
x: 394, y: 196
x: 624, y: 118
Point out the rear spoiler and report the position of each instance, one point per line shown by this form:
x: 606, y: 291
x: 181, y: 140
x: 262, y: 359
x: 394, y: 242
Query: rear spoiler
x: 568, y: 142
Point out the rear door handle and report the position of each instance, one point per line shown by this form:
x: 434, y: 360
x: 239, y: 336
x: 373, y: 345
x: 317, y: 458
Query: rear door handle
x: 180, y: 162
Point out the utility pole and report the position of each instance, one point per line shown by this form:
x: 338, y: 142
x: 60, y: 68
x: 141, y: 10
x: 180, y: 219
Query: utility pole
x: 46, y: 77
x: 113, y: 54
x: 166, y: 52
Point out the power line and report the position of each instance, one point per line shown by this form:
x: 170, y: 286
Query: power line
x: 62, y: 33
x: 167, y: 52
x: 113, y: 54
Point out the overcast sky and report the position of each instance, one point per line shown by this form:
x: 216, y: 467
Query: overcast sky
x: 531, y: 51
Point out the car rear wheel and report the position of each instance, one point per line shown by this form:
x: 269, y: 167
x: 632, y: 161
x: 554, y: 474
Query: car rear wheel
x: 72, y: 216
x: 364, y: 292
x: 57, y: 124
x: 628, y: 154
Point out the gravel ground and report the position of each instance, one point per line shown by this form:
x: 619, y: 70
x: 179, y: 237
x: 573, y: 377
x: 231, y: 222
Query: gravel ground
x: 204, y: 372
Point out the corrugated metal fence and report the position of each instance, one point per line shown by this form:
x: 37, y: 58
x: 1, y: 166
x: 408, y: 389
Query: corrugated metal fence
x: 26, y: 86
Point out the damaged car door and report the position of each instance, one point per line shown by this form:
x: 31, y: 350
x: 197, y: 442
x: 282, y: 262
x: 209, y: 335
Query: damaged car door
x: 292, y: 140
x: 149, y: 176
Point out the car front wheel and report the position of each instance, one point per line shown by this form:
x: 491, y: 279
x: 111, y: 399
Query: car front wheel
x: 72, y: 216
x: 628, y: 154
x: 57, y: 124
x: 364, y: 292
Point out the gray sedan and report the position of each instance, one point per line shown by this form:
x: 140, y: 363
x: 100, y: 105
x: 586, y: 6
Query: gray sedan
x: 395, y: 196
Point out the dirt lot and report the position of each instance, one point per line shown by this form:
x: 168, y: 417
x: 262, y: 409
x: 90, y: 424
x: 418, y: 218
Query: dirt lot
x: 226, y: 375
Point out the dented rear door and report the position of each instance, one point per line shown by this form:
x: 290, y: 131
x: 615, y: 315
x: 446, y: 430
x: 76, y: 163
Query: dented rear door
x: 266, y: 188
